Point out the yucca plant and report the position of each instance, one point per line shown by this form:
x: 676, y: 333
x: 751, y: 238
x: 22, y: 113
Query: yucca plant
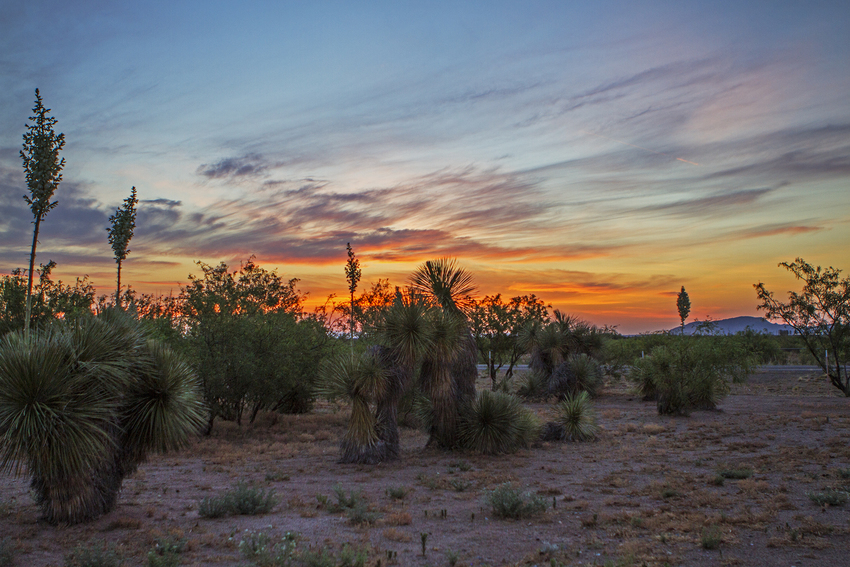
x: 576, y: 374
x: 82, y: 405
x: 497, y: 423
x: 449, y: 368
x: 360, y: 379
x: 578, y: 418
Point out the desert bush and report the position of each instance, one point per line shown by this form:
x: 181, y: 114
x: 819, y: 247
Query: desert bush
x: 830, y: 496
x: 166, y: 552
x: 242, y: 500
x: 736, y: 474
x: 94, y: 555
x: 266, y: 551
x: 692, y: 373
x: 509, y: 502
x: 83, y: 403
x: 578, y: 418
x: 711, y: 538
x: 496, y: 423
x: 397, y: 492
x: 576, y: 374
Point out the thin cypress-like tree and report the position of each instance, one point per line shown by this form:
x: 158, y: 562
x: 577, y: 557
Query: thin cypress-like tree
x: 123, y: 223
x: 40, y: 156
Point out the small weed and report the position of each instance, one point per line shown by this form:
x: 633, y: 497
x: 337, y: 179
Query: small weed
x: 670, y: 493
x: 322, y: 499
x: 718, y: 480
x: 736, y: 474
x: 360, y: 514
x: 636, y: 521
x: 94, y: 555
x: 459, y: 485
x: 424, y: 537
x: 844, y: 474
x: 276, y: 476
x: 397, y: 492
x: 452, y: 557
x: 828, y: 497
x: 508, y: 502
x: 711, y: 538
x: 461, y: 466
x: 7, y: 552
x: 166, y: 552
x: 345, y: 502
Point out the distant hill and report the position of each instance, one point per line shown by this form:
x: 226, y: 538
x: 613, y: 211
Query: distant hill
x: 737, y: 325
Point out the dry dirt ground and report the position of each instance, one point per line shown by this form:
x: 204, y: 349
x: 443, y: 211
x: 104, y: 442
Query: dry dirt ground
x: 645, y: 493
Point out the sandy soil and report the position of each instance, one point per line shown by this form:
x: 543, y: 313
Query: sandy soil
x: 644, y: 493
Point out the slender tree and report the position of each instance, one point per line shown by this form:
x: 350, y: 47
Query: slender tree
x: 123, y: 223
x: 683, y: 303
x: 352, y: 275
x: 40, y: 156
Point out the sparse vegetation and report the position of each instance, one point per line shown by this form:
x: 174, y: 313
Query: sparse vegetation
x: 166, y: 552
x: 243, y: 499
x: 829, y: 497
x: 509, y: 502
x: 711, y: 537
x: 736, y: 474
x: 97, y: 554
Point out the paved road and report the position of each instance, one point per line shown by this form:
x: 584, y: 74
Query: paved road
x: 762, y: 368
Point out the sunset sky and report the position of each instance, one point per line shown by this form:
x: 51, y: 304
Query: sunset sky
x: 599, y: 155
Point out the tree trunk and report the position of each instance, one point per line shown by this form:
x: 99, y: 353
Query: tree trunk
x: 118, y: 290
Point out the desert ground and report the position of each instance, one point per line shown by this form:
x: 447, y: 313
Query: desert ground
x: 650, y: 491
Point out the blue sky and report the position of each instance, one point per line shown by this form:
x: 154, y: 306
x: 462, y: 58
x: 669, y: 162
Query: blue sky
x: 600, y: 154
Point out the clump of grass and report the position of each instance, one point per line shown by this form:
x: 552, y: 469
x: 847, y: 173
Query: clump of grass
x: 844, y: 474
x: 495, y: 423
x: 7, y: 552
x: 242, y: 500
x: 670, y: 493
x: 94, y: 555
x: 266, y: 551
x: 360, y: 514
x: 736, y: 474
x: 461, y: 466
x: 577, y: 416
x: 828, y: 497
x: 508, y: 502
x: 166, y: 552
x: 397, y: 492
x: 711, y: 538
x: 459, y: 485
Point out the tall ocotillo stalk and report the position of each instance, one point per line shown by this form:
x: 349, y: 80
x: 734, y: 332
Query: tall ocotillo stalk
x: 123, y: 223
x: 40, y: 156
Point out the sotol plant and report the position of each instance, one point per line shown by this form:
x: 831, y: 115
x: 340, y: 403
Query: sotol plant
x: 82, y: 405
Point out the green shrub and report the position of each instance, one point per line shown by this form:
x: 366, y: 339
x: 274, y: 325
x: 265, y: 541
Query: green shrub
x: 94, y: 555
x: 578, y: 418
x: 242, y: 500
x: 266, y: 551
x: 360, y: 514
x: 829, y: 496
x: 691, y: 373
x: 166, y: 552
x: 736, y: 474
x: 711, y: 538
x: 496, y: 423
x: 346, y: 502
x: 397, y: 492
x: 508, y: 502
